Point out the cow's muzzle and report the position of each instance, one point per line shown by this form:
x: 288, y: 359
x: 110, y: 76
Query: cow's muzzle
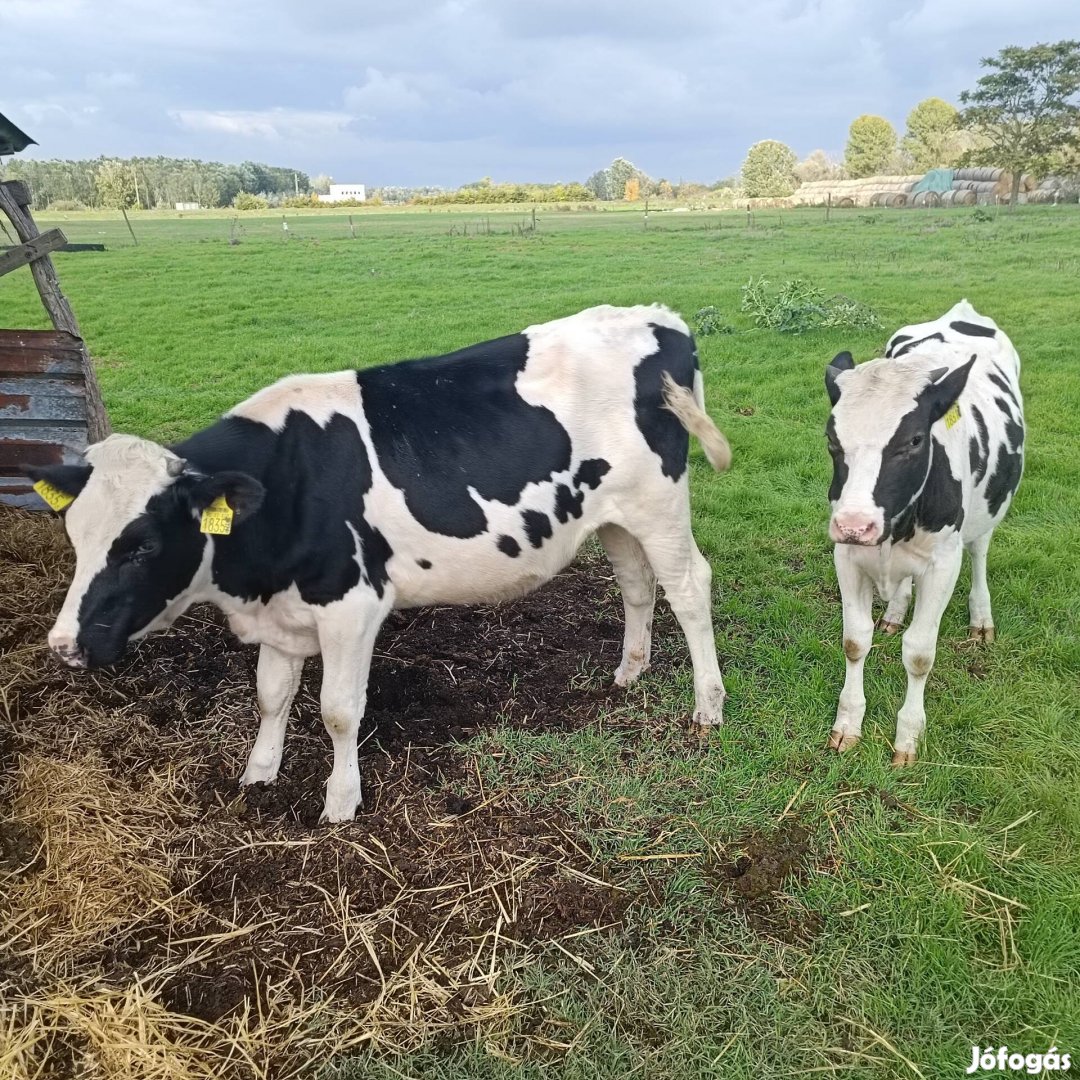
x: 855, y: 528
x: 68, y: 651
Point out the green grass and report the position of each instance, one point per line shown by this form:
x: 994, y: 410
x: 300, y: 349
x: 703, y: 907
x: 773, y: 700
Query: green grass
x: 925, y: 964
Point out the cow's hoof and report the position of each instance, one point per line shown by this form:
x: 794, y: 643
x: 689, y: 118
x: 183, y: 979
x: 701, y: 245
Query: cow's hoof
x: 340, y: 806
x: 841, y: 741
x: 255, y: 774
x: 702, y: 729
x: 889, y: 628
x: 628, y: 673
x: 981, y: 633
x: 901, y: 759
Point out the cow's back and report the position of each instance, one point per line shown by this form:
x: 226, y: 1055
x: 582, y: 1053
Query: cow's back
x: 984, y: 435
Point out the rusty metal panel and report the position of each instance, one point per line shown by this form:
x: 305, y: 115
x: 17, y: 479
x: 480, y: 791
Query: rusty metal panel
x: 43, y: 408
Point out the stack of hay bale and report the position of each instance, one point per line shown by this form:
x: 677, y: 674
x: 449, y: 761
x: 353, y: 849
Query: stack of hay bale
x: 1056, y: 189
x: 869, y: 191
x: 985, y: 186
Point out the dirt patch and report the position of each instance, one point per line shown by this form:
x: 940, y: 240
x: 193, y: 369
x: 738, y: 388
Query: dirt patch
x: 756, y: 881
x: 231, y: 907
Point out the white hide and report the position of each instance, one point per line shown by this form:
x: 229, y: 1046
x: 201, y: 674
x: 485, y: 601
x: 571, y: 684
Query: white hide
x: 873, y: 397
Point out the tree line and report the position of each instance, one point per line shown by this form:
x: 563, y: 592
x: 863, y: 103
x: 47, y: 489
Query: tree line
x: 1023, y: 116
x: 151, y: 182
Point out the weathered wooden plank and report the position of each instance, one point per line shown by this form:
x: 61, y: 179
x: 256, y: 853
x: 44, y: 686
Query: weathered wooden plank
x: 67, y: 247
x: 40, y: 339
x: 63, y: 318
x: 44, y: 443
x: 41, y: 384
x: 22, y: 254
x: 18, y: 192
x: 40, y: 352
x: 13, y: 204
x: 41, y: 363
x: 34, y: 402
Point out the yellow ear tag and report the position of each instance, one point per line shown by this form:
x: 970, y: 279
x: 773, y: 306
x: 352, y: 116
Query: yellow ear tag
x: 56, y: 498
x: 952, y: 416
x: 217, y: 518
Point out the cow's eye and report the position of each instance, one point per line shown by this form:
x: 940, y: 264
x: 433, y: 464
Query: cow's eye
x: 143, y: 551
x: 916, y: 440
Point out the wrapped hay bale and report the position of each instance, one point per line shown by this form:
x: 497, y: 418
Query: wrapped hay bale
x: 958, y: 197
x: 926, y: 199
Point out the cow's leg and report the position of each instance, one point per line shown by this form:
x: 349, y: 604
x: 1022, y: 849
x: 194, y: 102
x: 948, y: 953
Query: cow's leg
x: 932, y: 593
x: 896, y: 609
x: 981, y: 620
x: 637, y: 583
x: 857, y: 596
x: 347, y: 632
x: 277, y: 677
x: 686, y: 578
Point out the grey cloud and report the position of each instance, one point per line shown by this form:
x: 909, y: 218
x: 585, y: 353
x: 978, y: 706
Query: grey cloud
x: 443, y: 91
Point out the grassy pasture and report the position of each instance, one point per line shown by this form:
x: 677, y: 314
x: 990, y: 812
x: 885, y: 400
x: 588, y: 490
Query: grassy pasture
x: 944, y: 900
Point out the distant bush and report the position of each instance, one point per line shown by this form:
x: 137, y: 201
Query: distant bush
x: 246, y: 201
x: 299, y: 202
x: 486, y: 192
x: 67, y: 204
x: 798, y: 306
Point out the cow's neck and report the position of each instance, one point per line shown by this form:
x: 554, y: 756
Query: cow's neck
x: 252, y: 560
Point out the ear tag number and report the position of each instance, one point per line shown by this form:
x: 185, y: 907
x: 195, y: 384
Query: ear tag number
x: 217, y: 518
x: 56, y: 498
x: 952, y: 416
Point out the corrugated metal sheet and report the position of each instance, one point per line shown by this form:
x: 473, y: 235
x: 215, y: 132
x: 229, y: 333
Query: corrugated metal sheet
x: 43, y: 418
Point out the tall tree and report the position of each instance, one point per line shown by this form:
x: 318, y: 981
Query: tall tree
x: 871, y: 143
x: 817, y: 165
x: 115, y: 183
x: 769, y: 170
x: 931, y: 136
x: 1026, y: 110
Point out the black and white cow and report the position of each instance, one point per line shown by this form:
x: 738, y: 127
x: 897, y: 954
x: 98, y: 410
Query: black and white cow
x: 928, y: 448
x: 466, y: 478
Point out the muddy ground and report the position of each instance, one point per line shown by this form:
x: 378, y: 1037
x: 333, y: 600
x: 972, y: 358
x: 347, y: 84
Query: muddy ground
x: 231, y: 901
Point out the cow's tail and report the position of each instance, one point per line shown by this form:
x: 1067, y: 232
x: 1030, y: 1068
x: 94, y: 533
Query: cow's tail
x: 689, y: 408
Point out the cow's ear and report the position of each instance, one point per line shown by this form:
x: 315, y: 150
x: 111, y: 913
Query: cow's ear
x: 63, y: 480
x: 243, y: 493
x: 840, y: 362
x: 944, y: 389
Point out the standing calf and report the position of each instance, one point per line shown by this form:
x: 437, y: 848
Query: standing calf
x: 928, y: 449
x: 315, y: 507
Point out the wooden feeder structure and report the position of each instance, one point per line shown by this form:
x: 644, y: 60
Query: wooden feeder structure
x: 50, y: 403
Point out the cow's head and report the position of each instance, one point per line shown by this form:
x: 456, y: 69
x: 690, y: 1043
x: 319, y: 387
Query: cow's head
x: 139, y: 552
x: 879, y: 439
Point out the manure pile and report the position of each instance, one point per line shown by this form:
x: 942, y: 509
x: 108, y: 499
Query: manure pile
x: 158, y: 921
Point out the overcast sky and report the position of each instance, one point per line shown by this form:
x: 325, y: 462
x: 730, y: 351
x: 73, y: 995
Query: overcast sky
x: 428, y: 92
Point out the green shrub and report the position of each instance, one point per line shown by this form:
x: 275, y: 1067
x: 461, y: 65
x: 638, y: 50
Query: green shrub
x: 246, y: 201
x: 798, y: 306
x: 66, y: 204
x: 709, y: 320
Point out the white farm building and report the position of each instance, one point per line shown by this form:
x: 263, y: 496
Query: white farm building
x: 344, y: 193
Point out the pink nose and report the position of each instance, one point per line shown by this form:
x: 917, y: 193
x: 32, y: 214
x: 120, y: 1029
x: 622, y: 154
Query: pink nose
x: 854, y: 528
x: 66, y: 649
